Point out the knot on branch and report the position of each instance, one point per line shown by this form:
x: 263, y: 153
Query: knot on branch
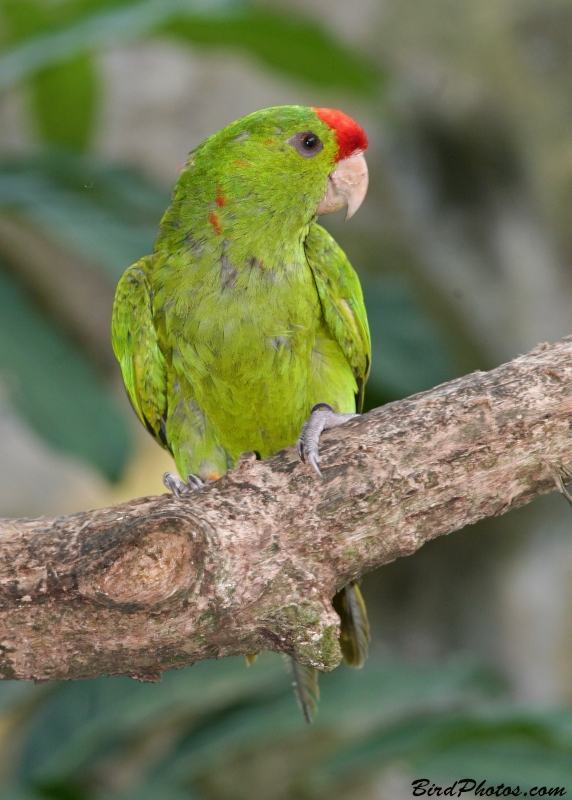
x: 148, y: 573
x: 161, y: 563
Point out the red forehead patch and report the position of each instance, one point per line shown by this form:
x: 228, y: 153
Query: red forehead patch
x: 350, y: 137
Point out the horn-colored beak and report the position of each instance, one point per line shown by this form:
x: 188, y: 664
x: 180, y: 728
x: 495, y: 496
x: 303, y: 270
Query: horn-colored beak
x: 347, y: 186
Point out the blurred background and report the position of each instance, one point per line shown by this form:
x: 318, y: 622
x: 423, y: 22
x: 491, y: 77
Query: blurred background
x: 464, y: 249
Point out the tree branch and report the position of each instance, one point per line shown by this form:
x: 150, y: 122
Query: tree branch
x: 251, y: 562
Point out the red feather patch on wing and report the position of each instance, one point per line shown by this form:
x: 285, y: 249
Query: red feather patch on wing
x: 215, y: 222
x: 350, y: 137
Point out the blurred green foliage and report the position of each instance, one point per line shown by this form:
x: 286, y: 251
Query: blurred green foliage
x: 109, y: 217
x: 410, y: 352
x: 53, y: 44
x: 66, y: 91
x: 215, y: 725
x: 55, y: 387
x: 106, y: 214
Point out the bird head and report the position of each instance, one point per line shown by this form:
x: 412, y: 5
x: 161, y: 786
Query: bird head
x: 287, y: 162
x: 310, y: 159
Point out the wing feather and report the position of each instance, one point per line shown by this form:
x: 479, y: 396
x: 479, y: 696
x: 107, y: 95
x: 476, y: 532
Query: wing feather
x: 136, y: 345
x: 306, y: 688
x: 354, y: 625
x: 342, y: 303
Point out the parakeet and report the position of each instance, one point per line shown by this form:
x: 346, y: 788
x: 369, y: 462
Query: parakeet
x: 246, y: 329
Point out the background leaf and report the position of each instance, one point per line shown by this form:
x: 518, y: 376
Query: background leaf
x: 83, y: 719
x: 498, y: 746
x: 200, y: 719
x: 108, y: 214
x: 55, y: 387
x: 65, y: 102
x: 410, y: 352
x: 282, y: 40
x: 285, y: 42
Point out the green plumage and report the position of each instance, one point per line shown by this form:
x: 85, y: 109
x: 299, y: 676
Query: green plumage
x: 248, y: 313
x: 354, y: 625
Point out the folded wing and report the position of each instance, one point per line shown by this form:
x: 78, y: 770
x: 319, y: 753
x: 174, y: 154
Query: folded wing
x: 136, y: 345
x: 342, y: 303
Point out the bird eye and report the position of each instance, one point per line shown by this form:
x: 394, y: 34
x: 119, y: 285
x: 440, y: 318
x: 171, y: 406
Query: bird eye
x: 306, y: 144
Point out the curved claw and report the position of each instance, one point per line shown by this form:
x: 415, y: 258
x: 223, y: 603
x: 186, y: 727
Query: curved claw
x: 194, y: 482
x: 179, y: 487
x: 322, y: 418
x: 313, y: 458
x: 173, y: 483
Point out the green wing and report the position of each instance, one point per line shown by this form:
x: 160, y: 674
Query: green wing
x: 136, y: 346
x: 342, y: 303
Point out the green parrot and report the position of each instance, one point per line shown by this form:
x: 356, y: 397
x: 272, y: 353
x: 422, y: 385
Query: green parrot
x: 246, y: 329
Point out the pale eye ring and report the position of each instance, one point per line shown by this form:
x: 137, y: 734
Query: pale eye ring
x: 307, y: 144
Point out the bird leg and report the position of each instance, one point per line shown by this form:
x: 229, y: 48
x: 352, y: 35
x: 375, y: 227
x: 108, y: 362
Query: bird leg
x: 179, y: 486
x: 322, y: 418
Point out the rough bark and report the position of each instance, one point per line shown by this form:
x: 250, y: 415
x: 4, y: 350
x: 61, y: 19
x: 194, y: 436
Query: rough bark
x: 252, y: 562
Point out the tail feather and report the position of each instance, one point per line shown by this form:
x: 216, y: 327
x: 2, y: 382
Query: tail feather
x: 354, y: 625
x: 250, y: 658
x: 306, y: 688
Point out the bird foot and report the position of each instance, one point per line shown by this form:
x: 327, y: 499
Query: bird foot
x: 179, y: 486
x: 322, y: 418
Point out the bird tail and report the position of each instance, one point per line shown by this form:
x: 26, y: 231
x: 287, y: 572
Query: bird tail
x: 354, y: 642
x: 306, y: 688
x: 354, y: 625
x: 250, y: 659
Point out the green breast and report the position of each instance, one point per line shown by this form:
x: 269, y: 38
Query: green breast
x: 252, y: 346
